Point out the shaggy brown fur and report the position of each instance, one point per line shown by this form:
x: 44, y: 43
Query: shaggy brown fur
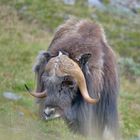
x: 77, y: 38
x: 80, y: 37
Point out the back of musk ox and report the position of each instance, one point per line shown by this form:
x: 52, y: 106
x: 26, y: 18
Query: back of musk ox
x: 77, y: 80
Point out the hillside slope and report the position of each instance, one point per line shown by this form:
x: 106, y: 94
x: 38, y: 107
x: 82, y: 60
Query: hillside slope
x: 27, y: 27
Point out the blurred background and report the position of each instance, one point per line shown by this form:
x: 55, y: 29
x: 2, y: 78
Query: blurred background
x: 27, y: 26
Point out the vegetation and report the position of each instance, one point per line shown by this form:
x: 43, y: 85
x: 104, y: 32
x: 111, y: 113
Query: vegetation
x: 26, y: 27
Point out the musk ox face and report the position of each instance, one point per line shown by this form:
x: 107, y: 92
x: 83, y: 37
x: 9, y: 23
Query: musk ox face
x: 60, y: 93
x: 56, y: 88
x: 59, y: 79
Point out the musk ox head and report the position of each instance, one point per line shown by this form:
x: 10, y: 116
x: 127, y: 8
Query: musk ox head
x: 59, y: 80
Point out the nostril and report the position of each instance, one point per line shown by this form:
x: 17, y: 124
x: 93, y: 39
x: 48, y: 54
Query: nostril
x: 52, y: 110
x: 49, y: 111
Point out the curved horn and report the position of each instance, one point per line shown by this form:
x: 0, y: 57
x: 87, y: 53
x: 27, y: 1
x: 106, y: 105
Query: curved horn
x: 71, y: 68
x: 36, y: 94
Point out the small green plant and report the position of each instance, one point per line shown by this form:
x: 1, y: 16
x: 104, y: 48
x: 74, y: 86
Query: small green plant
x: 129, y: 67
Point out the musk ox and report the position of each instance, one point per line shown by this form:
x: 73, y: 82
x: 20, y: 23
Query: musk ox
x: 77, y: 79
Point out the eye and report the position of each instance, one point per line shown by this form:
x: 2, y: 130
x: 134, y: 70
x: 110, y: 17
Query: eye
x: 68, y: 81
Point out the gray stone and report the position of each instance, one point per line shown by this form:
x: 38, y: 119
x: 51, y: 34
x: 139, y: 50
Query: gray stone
x: 11, y: 96
x: 96, y: 3
x: 69, y: 2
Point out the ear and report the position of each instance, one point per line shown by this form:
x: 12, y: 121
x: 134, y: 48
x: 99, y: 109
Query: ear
x: 42, y: 58
x: 84, y: 59
x: 47, y: 55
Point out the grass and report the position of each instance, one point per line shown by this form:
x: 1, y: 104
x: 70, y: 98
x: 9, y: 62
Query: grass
x: 24, y: 33
x: 129, y: 109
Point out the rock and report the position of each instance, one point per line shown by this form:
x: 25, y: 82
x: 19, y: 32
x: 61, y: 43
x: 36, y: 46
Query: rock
x: 94, y: 2
x: 21, y: 114
x: 11, y: 96
x: 132, y: 5
x: 23, y: 9
x: 69, y: 2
